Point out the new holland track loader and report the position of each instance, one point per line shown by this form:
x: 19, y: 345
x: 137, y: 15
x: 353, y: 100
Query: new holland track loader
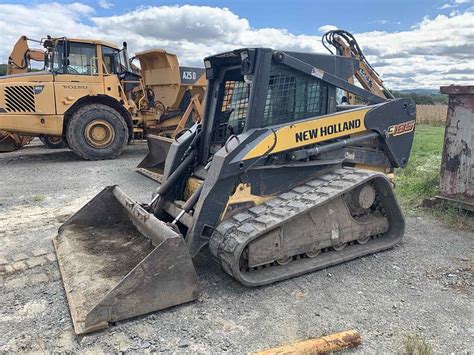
x: 91, y: 98
x: 278, y: 180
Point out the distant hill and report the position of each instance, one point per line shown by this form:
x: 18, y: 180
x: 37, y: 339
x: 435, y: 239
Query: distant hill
x: 423, y: 96
x: 420, y: 91
x: 3, y: 69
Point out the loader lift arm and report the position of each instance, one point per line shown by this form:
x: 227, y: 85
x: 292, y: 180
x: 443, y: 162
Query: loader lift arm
x: 346, y: 45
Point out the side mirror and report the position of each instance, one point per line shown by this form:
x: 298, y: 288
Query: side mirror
x: 124, y: 44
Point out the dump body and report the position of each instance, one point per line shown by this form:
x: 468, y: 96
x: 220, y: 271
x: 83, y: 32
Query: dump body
x: 161, y: 72
x: 457, y: 167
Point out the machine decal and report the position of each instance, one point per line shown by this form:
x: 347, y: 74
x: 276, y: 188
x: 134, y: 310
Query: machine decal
x: 38, y: 89
x: 310, y: 131
x: 401, y: 128
x: 327, y: 130
x: 190, y: 75
x: 76, y: 87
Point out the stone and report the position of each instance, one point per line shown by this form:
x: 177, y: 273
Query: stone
x: 39, y: 278
x: 39, y: 252
x: 36, y: 261
x: 19, y: 265
x: 51, y: 257
x: 18, y: 257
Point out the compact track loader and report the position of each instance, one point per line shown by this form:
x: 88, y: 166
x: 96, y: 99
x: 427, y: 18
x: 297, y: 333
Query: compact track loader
x: 278, y: 180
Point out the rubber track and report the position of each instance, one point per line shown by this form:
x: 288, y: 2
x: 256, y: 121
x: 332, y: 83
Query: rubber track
x: 232, y: 235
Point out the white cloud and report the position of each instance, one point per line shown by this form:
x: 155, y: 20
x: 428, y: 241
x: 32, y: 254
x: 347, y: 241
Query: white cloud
x: 434, y: 52
x: 105, y: 4
x: 326, y: 28
x: 446, y: 6
x: 454, y: 3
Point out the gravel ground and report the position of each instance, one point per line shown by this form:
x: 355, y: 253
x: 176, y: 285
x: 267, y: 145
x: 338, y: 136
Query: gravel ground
x: 423, y: 286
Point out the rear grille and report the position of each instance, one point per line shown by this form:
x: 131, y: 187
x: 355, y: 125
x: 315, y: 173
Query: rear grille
x: 20, y: 98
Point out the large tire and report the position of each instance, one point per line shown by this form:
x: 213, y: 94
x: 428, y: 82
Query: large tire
x: 96, y: 132
x: 53, y: 142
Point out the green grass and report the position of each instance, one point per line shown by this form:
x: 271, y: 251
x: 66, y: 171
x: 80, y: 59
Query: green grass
x: 37, y: 198
x: 416, y: 344
x: 420, y: 179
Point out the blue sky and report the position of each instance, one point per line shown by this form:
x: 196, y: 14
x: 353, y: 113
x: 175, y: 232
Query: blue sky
x: 305, y: 16
x: 412, y: 44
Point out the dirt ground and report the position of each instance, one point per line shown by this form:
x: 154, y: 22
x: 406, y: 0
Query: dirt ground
x: 423, y: 286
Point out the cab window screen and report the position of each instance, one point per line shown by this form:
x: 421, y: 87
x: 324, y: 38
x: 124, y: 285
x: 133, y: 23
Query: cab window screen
x: 235, y: 102
x: 293, y: 96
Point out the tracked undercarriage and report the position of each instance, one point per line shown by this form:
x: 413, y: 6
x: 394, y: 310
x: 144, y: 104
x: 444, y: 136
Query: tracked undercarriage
x: 334, y: 218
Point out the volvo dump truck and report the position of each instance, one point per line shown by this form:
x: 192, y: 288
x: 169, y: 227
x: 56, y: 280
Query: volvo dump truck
x: 91, y: 98
x: 278, y: 180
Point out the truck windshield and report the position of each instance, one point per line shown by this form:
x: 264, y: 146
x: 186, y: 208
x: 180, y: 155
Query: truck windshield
x: 74, y: 58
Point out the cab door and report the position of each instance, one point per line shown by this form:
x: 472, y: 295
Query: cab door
x: 77, y: 75
x: 111, y: 67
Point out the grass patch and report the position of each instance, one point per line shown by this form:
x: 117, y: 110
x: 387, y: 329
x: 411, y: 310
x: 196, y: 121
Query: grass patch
x: 420, y: 179
x: 416, y: 344
x: 37, y: 198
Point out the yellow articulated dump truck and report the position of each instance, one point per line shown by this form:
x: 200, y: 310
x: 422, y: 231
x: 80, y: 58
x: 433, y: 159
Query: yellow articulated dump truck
x: 92, y: 98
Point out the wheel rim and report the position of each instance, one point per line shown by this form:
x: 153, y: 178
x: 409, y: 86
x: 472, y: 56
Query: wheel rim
x: 55, y: 140
x: 284, y: 261
x: 313, y: 253
x: 339, y: 247
x: 99, y: 133
x: 363, y: 240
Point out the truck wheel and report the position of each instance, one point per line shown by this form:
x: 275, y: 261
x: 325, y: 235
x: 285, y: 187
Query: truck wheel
x: 53, y: 142
x: 96, y: 132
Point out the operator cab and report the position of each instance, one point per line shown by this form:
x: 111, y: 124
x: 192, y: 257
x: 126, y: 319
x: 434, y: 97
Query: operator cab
x: 237, y: 103
x: 80, y: 57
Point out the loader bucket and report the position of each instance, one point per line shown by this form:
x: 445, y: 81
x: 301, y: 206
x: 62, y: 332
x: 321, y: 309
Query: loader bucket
x: 118, y: 261
x: 153, y: 165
